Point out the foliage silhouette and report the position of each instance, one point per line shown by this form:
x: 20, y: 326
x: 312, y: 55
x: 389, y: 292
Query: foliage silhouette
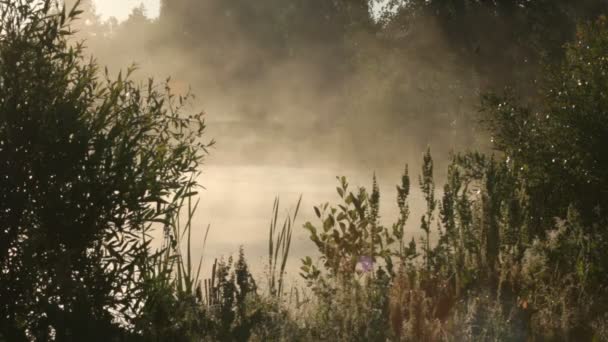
x: 88, y: 165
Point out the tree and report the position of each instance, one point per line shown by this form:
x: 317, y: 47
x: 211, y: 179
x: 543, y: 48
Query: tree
x: 506, y: 41
x: 559, y: 141
x: 271, y: 29
x: 88, y: 164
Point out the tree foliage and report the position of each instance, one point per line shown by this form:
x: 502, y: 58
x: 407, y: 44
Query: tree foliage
x: 88, y: 165
x: 558, y: 141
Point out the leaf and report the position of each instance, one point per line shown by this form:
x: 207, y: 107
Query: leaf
x: 340, y: 192
x: 308, y: 226
x: 328, y: 223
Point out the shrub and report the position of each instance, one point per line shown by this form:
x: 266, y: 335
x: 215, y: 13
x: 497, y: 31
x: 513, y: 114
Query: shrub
x: 88, y: 164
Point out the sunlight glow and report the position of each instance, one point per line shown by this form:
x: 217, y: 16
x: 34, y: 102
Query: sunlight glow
x: 120, y: 9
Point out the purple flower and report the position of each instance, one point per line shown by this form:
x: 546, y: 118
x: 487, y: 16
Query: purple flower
x: 366, y: 263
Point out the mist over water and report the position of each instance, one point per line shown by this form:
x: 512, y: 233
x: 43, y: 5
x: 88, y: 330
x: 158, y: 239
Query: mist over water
x: 291, y: 114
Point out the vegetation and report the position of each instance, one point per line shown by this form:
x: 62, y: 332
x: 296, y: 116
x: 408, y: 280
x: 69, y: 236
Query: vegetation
x: 89, y: 165
x: 513, y: 248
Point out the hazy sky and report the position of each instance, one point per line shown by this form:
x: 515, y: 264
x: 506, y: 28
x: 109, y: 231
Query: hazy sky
x: 121, y: 8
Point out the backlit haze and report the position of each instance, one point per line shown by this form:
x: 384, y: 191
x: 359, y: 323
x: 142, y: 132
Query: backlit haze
x: 286, y: 124
x: 120, y: 9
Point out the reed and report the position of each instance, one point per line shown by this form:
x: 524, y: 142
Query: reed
x: 279, y: 243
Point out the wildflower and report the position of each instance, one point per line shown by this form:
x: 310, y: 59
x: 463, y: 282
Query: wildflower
x: 366, y: 263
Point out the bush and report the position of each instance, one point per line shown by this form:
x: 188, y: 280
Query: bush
x: 88, y: 164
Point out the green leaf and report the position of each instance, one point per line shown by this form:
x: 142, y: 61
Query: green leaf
x: 340, y: 192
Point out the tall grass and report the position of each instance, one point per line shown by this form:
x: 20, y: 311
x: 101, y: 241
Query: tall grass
x: 441, y: 293
x: 173, y: 262
x: 279, y: 243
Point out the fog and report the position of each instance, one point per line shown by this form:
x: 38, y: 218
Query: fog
x: 292, y: 109
x: 120, y: 9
